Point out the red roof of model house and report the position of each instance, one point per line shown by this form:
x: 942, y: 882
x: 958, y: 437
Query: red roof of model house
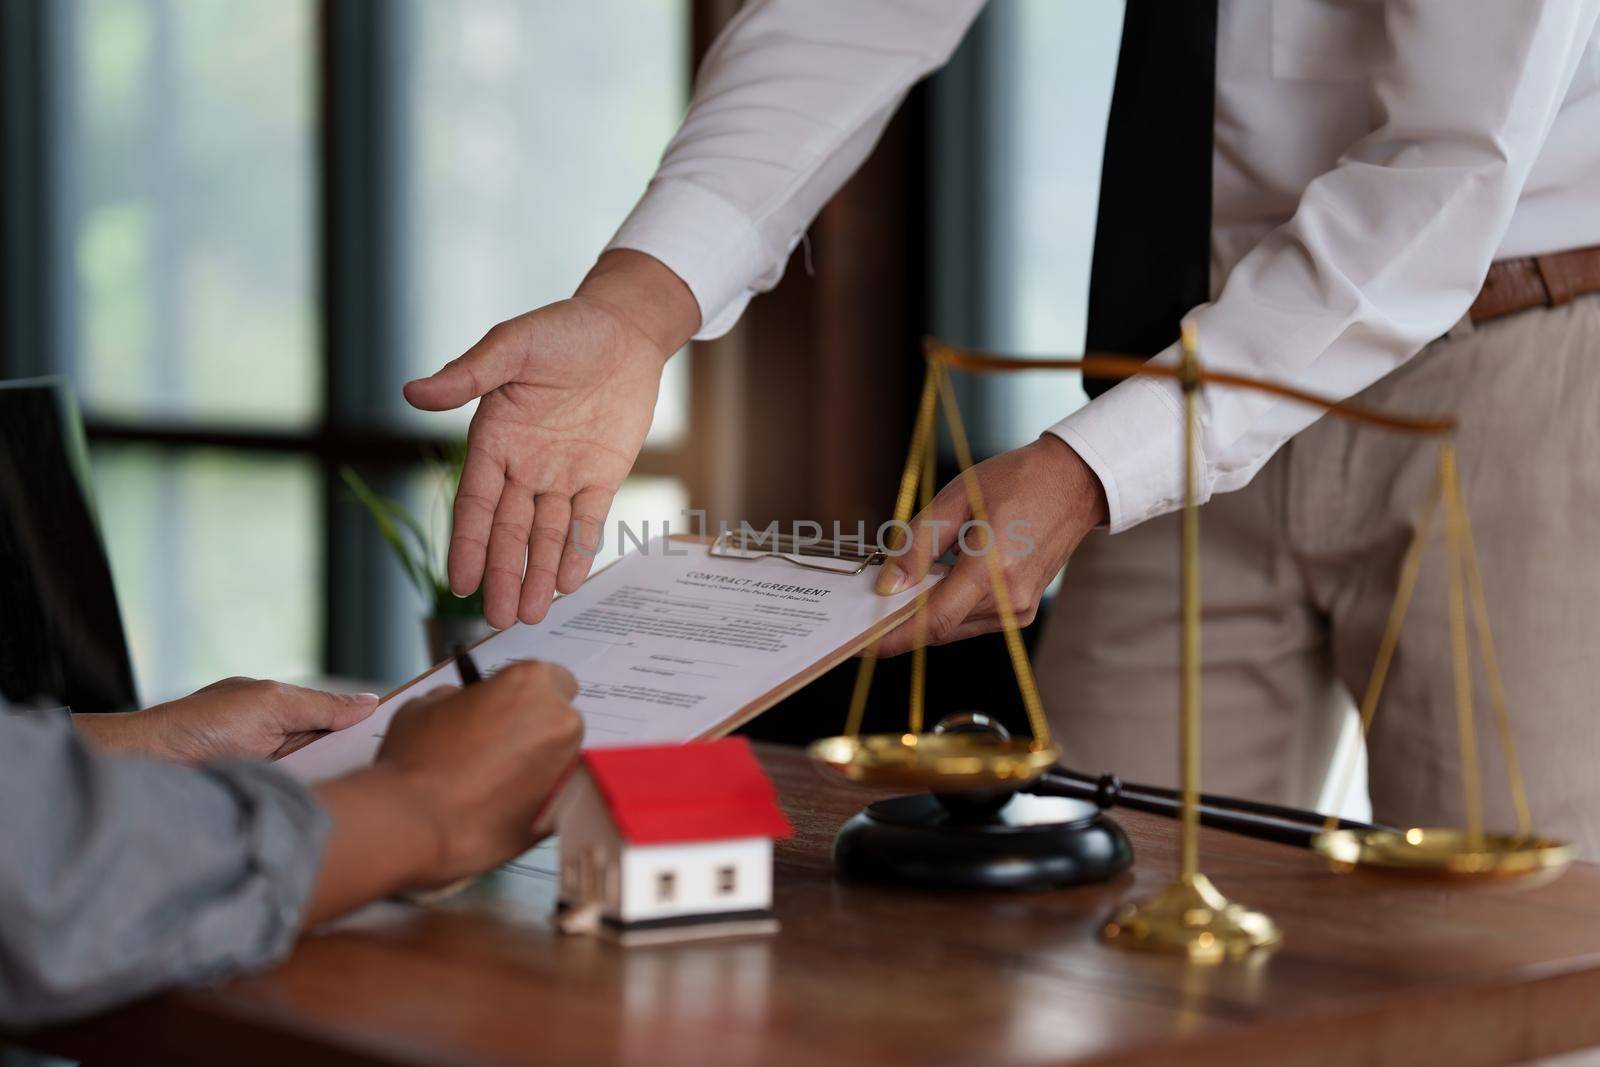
x: 696, y: 792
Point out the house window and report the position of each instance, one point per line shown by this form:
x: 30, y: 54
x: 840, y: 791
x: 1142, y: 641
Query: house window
x: 727, y: 880
x: 666, y: 887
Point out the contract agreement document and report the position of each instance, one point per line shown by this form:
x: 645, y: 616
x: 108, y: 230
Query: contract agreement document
x: 669, y: 643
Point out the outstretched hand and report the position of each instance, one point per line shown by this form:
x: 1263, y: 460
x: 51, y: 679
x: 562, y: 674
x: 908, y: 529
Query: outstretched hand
x: 567, y: 393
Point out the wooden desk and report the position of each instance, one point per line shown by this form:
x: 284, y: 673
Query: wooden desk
x: 1371, y: 971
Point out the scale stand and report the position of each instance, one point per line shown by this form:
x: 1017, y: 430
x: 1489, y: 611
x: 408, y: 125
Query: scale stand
x: 984, y: 839
x: 1030, y: 843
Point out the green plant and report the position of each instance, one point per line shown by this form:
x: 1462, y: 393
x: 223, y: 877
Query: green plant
x: 419, y: 551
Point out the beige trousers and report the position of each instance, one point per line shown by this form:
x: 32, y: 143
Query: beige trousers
x: 1298, y: 572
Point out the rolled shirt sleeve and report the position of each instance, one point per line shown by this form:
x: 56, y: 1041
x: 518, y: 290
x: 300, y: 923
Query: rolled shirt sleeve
x: 1383, y: 255
x: 788, y: 103
x: 123, y: 876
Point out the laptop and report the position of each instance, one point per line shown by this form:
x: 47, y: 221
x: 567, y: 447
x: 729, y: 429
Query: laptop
x: 61, y: 636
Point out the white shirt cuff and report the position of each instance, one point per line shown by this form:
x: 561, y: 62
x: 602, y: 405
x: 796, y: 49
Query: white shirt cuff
x: 1132, y: 438
x: 703, y: 239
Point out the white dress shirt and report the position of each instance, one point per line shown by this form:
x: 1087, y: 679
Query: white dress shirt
x: 1372, y: 158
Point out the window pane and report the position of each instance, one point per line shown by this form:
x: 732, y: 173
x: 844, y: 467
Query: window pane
x: 188, y: 208
x: 1034, y: 81
x: 528, y: 130
x: 217, y: 564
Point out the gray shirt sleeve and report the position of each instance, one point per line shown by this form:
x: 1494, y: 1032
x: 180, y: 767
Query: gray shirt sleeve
x: 121, y: 876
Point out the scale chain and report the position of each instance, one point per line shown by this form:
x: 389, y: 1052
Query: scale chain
x: 1002, y: 597
x: 921, y: 446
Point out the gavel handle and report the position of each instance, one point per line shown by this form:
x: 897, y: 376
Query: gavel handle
x: 1249, y: 818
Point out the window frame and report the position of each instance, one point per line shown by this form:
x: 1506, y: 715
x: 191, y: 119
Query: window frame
x: 801, y: 411
x: 356, y: 116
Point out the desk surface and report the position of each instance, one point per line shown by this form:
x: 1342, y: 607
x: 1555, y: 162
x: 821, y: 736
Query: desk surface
x: 1371, y: 970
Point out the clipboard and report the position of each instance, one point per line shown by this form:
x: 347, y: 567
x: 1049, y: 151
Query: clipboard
x: 809, y: 555
x: 848, y: 555
x: 845, y: 557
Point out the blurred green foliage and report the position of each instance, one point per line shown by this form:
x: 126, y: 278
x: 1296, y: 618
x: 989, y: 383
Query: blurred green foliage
x: 417, y: 544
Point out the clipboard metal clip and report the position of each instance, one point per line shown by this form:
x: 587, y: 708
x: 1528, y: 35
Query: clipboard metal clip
x: 846, y: 555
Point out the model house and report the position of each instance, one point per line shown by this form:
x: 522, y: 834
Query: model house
x: 668, y: 842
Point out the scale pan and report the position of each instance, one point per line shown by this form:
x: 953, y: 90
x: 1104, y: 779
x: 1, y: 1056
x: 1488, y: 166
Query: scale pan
x: 943, y: 763
x: 1445, y: 853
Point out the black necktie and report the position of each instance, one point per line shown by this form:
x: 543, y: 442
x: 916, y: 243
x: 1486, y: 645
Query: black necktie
x: 1152, y: 242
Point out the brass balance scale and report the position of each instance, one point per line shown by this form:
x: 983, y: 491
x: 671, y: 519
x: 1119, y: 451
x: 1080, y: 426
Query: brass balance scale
x: 1190, y: 916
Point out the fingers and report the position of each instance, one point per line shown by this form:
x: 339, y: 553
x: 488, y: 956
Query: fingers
x: 507, y: 553
x: 353, y: 708
x: 482, y: 480
x: 312, y: 709
x: 415, y: 710
x: 953, y: 601
x: 902, y: 638
x: 427, y: 700
x: 933, y: 531
x: 222, y: 685
x: 589, y: 510
x: 979, y: 625
x: 561, y: 680
x: 565, y: 681
x: 484, y: 367
x: 551, y: 512
x: 537, y: 674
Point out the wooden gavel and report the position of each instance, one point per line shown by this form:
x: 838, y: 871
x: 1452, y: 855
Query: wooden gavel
x: 1248, y: 818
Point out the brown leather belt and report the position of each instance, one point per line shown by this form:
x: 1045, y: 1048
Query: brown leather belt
x: 1537, y: 281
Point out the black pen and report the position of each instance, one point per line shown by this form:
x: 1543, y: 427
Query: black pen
x: 466, y: 668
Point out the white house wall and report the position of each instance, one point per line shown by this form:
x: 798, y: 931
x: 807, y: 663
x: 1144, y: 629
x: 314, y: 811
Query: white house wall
x: 695, y: 865
x: 583, y: 823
